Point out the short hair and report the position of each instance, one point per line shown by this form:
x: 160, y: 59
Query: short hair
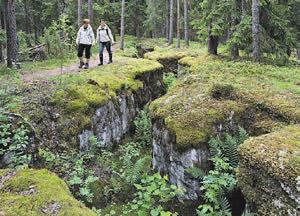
x: 86, y: 21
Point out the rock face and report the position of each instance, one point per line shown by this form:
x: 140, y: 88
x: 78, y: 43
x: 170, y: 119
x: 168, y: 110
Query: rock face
x: 113, y: 120
x: 269, y: 172
x: 169, y: 160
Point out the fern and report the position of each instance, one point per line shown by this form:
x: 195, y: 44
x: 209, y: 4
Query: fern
x: 214, y: 147
x: 224, y: 204
x: 243, y: 135
x: 196, y: 172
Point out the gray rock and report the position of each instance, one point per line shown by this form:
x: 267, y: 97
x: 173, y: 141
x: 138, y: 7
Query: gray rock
x: 169, y: 161
x: 112, y: 121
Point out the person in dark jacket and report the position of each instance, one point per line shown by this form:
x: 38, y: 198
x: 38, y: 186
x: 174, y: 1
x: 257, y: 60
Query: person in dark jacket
x: 105, y: 39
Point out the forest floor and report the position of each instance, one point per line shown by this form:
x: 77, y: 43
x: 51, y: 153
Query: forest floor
x: 29, y: 76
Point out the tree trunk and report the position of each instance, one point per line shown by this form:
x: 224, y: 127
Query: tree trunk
x: 255, y: 31
x: 298, y: 54
x: 61, y: 6
x: 213, y: 42
x: 91, y: 10
x: 79, y: 13
x: 11, y: 32
x: 167, y: 19
x: 234, y: 22
x: 178, y: 24
x: 244, y: 8
x: 2, y: 25
x: 186, y: 23
x: 122, y: 26
x: 171, y: 27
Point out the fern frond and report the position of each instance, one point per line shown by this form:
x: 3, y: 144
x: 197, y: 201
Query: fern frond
x: 243, y: 135
x: 196, y: 172
x: 224, y: 204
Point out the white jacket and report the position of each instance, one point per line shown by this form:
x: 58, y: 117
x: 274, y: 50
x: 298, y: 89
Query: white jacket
x: 104, y: 35
x: 85, y: 36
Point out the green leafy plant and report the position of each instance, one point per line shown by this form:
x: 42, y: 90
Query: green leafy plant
x: 221, y: 181
x: 228, y: 146
x: 14, y: 141
x: 80, y: 180
x: 152, y: 194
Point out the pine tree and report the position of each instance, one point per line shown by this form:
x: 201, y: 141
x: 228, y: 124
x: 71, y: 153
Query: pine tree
x: 91, y: 10
x: 122, y: 26
x: 255, y: 31
x: 11, y: 33
x: 79, y: 12
x: 186, y: 22
x: 171, y: 23
x: 178, y: 24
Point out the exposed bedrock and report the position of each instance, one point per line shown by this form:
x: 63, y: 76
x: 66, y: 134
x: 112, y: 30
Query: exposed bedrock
x: 112, y: 121
x: 168, y: 160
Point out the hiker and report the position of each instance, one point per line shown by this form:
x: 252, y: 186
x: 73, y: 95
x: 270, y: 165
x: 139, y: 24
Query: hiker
x: 105, y: 39
x: 85, y: 40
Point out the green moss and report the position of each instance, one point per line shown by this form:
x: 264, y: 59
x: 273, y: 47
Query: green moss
x: 73, y: 98
x: 165, y: 54
x: 46, y: 189
x: 190, y: 109
x: 190, y: 112
x: 269, y: 170
x: 277, y: 153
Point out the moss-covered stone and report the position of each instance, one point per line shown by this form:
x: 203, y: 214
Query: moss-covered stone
x: 63, y: 108
x: 269, y: 171
x: 218, y: 88
x: 37, y: 192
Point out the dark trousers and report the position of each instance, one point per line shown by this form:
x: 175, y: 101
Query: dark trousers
x: 84, y: 48
x: 106, y: 45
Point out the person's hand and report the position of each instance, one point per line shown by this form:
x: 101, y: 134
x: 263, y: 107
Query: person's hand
x: 94, y: 42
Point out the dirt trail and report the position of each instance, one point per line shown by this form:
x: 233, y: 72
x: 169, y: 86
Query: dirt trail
x: 30, y: 76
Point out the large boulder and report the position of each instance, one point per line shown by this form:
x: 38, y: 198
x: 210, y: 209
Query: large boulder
x: 269, y: 172
x: 35, y: 193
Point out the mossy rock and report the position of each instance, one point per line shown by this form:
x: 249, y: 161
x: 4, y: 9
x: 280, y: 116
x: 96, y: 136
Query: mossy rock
x: 269, y: 171
x: 191, y: 113
x: 68, y: 102
x: 37, y: 192
x: 216, y: 88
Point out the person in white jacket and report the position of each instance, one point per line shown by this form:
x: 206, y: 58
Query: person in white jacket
x: 85, y: 40
x: 105, y: 39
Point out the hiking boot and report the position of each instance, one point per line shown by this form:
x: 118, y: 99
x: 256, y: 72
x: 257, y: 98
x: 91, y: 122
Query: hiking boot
x: 81, y: 64
x: 101, y: 60
x: 86, y: 66
x: 110, y: 59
